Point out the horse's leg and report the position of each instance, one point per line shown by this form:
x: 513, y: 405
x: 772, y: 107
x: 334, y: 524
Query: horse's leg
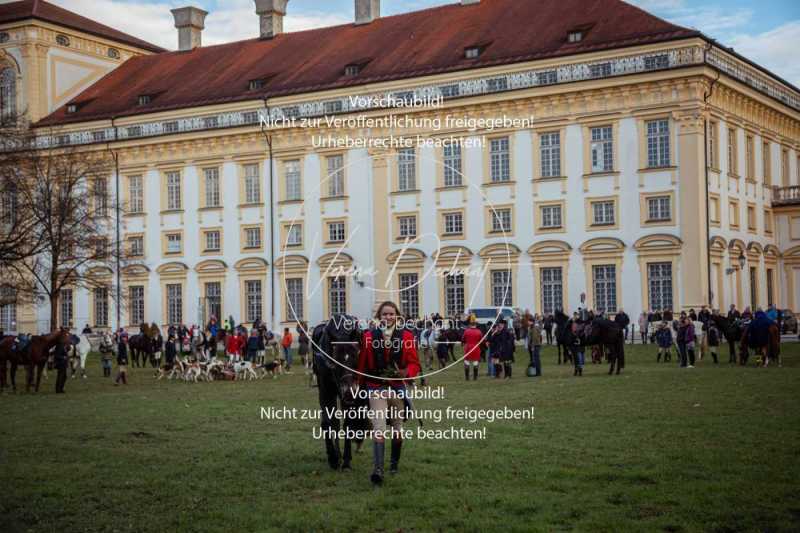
x: 2, y: 375
x: 327, y: 403
x: 39, y: 369
x: 558, y: 349
x: 13, y: 374
x: 348, y: 454
x: 612, y: 359
x: 28, y: 377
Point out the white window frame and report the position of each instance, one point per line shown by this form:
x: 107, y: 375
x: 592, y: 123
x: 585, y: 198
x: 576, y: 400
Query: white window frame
x: 552, y: 287
x: 501, y: 220
x: 603, y: 213
x: 604, y: 281
x: 335, y: 176
x: 336, y: 231
x: 213, y: 241
x: 294, y: 187
x: 407, y: 226
x: 254, y: 299
x: 252, y: 238
x: 454, y: 223
x: 658, y: 143
x: 406, y: 169
x: 659, y: 285
x: 337, y: 295
x: 552, y: 216
x: 659, y: 208
x: 211, y: 176
x: 174, y: 303
x: 500, y: 159
x: 136, y: 303
x: 408, y: 284
x: 452, y: 165
x: 252, y: 183
x: 174, y: 243
x: 294, y: 235
x: 550, y: 154
x: 174, y: 199
x: 502, y: 288
x: 602, y: 148
x: 136, y: 194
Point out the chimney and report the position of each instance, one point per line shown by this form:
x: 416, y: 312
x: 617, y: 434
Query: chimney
x: 190, y: 22
x: 367, y: 11
x: 271, y: 13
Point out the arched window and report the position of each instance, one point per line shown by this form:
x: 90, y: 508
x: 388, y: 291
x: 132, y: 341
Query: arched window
x: 8, y: 92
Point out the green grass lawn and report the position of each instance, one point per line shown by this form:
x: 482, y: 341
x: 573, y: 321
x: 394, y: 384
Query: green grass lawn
x: 714, y: 448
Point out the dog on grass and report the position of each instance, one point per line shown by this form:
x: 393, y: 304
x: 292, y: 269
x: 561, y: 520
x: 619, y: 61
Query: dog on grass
x: 245, y: 370
x: 274, y: 369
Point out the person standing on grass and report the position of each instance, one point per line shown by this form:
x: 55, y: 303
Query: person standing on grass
x: 442, y: 348
x: 712, y: 336
x: 388, y: 354
x: 60, y: 361
x: 426, y: 343
x: 252, y: 346
x: 122, y: 361
x: 535, y: 346
x: 302, y: 343
x: 286, y: 344
x: 622, y: 320
x: 685, y: 341
x: 471, y: 341
x: 664, y: 342
x: 501, y: 346
x: 644, y: 325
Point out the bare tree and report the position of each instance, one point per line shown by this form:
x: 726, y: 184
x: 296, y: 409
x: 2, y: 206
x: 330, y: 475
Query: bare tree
x: 18, y: 240
x: 66, y: 194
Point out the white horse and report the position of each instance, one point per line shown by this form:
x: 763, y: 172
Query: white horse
x: 81, y: 351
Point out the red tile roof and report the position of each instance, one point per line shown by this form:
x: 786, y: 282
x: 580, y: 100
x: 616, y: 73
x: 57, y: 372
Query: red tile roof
x: 413, y: 44
x: 38, y: 9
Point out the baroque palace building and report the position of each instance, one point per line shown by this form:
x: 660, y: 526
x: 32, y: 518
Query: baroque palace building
x: 649, y: 166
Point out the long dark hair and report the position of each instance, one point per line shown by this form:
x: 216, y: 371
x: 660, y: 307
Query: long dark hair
x: 384, y: 304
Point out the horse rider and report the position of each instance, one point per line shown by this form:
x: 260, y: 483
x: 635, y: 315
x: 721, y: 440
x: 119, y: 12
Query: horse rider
x: 388, y: 354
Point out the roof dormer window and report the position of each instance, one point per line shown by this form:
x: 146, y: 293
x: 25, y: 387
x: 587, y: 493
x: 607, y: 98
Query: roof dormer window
x: 145, y: 99
x: 352, y: 70
x: 255, y: 85
x: 72, y: 108
x: 472, y: 52
x: 62, y: 40
x: 575, y: 36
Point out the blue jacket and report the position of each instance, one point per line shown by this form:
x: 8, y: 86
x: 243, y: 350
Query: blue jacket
x: 664, y: 337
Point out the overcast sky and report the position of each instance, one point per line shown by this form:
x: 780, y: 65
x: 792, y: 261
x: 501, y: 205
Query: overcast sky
x: 766, y: 31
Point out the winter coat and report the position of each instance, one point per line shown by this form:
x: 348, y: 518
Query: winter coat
x: 664, y: 337
x: 471, y: 340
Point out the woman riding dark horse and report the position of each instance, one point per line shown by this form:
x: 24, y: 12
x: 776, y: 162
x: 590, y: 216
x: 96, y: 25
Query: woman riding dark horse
x: 335, y: 347
x: 762, y: 335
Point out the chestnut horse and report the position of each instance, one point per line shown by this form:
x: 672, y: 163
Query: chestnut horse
x: 767, y: 343
x: 33, y: 356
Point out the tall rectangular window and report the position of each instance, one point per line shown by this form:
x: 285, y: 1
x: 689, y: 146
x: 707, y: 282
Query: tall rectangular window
x: 770, y: 286
x: 252, y: 292
x: 335, y: 175
x: 212, y: 241
x: 658, y: 143
x: 453, y: 223
x: 336, y: 232
x: 101, y: 307
x: 136, y: 194
x: 501, y: 220
x: 409, y: 295
x: 407, y: 226
x: 603, y: 213
x: 337, y: 295
x: 605, y: 288
x: 252, y: 184
x: 753, y: 288
x: 214, y: 299
x: 252, y: 238
x: 174, y: 190
x: 658, y: 208
x: 454, y: 294
x: 294, y: 299
x: 732, y: 167
x: 659, y: 283
x: 550, y: 154
x: 551, y: 216
x: 712, y: 144
x: 212, y: 187
x: 500, y: 159
x: 174, y: 303
x: 767, y: 163
x: 785, y: 168
x: 452, y: 165
x: 552, y: 289
x: 406, y: 169
x: 101, y: 197
x: 602, y: 148
x: 66, y: 308
x: 136, y: 304
x: 8, y: 309
x: 294, y: 188
x: 750, y: 158
x: 501, y: 288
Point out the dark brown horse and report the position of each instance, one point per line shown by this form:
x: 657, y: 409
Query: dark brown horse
x: 610, y: 338
x: 767, y: 342
x: 34, y: 355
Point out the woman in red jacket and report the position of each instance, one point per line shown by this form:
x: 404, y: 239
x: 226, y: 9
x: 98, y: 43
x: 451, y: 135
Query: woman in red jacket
x: 472, y: 340
x: 388, y: 354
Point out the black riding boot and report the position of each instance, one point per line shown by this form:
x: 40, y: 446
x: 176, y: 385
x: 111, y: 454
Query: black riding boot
x: 377, y: 472
x: 397, y: 446
x: 507, y: 370
x: 474, y: 373
x: 466, y: 373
